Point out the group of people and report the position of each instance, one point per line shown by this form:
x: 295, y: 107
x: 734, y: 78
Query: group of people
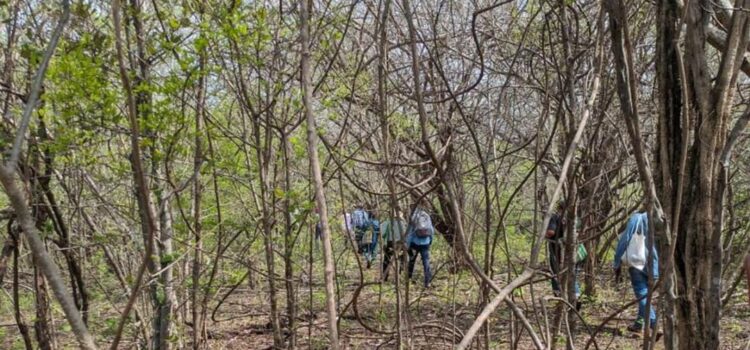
x: 415, y: 236
x: 631, y: 253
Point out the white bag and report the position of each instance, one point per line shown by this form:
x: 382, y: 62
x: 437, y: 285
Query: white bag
x: 635, y: 254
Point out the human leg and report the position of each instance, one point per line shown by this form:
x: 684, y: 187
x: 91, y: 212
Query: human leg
x: 424, y: 251
x: 358, y: 235
x: 412, y: 259
x: 373, y: 248
x: 639, y: 281
x: 554, y: 266
x: 388, y: 252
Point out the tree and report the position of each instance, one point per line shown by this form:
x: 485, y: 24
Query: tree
x: 320, y: 197
x: 702, y: 158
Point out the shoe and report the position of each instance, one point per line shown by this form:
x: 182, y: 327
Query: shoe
x: 636, y: 327
x: 578, y: 306
x: 369, y: 264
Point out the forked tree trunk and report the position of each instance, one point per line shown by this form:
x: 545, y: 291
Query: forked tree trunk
x: 42, y: 259
x: 18, y: 201
x: 698, y: 249
x: 698, y: 268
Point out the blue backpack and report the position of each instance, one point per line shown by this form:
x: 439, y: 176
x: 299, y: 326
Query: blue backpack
x: 360, y: 219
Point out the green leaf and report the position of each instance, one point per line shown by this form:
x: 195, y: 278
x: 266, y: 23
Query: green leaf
x: 174, y: 23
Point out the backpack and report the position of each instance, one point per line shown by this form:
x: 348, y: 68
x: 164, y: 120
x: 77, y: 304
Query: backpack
x: 635, y: 254
x: 422, y: 224
x: 360, y: 219
x: 393, y: 230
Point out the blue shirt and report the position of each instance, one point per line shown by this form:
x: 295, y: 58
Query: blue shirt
x: 622, y: 245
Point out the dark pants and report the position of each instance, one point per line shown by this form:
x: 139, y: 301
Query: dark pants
x: 318, y: 231
x: 424, y: 251
x: 556, y: 282
x: 388, y: 254
x: 555, y: 252
x: 373, y: 249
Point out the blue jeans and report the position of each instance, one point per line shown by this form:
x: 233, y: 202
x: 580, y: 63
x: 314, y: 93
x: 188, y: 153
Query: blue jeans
x: 373, y: 249
x: 424, y: 251
x: 639, y: 280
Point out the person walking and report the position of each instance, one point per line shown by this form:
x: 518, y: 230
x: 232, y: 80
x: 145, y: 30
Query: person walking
x: 555, y: 241
x: 632, y: 253
x: 393, y: 236
x: 419, y: 240
x: 364, y: 222
x: 371, y: 252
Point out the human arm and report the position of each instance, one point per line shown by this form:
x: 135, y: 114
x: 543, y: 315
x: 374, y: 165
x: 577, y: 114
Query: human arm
x: 618, y: 275
x: 622, y: 245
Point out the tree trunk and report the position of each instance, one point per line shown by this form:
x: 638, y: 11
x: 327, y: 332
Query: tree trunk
x: 43, y: 174
x: 697, y: 258
x: 195, y: 300
x: 291, y: 304
x: 42, y: 329
x: 18, y: 201
x: 22, y: 327
x: 669, y: 150
x: 163, y: 325
x: 142, y: 189
x: 390, y: 170
x: 263, y: 154
x: 698, y: 268
x: 571, y: 241
x: 312, y: 148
